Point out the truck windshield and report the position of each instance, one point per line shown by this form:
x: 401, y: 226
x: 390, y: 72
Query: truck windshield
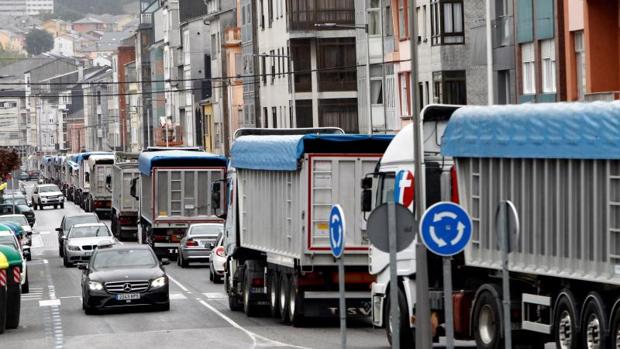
x: 385, y: 186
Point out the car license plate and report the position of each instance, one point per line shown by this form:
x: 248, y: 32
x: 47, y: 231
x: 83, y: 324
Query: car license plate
x: 88, y: 253
x: 127, y: 296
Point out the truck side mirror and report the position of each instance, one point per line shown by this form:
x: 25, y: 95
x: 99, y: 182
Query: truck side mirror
x: 216, y: 195
x: 367, y: 183
x: 132, y: 188
x: 366, y: 194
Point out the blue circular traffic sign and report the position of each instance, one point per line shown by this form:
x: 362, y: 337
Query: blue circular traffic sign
x: 445, y: 229
x: 337, y: 228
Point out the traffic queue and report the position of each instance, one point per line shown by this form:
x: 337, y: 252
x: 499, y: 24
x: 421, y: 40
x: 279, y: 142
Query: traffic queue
x: 261, y: 219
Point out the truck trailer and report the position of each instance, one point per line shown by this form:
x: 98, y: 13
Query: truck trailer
x: 99, y: 198
x: 83, y: 186
x: 559, y: 165
x: 174, y: 192
x: 280, y: 192
x: 124, y: 207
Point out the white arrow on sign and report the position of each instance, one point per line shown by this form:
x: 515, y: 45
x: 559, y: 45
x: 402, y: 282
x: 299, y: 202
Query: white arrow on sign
x: 335, y: 219
x: 460, y: 228
x: 439, y: 241
x: 441, y: 215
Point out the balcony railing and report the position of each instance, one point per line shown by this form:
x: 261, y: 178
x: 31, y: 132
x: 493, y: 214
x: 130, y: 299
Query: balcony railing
x: 304, y: 14
x: 168, y: 137
x: 232, y: 36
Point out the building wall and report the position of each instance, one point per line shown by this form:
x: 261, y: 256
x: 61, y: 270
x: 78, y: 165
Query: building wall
x: 13, y: 7
x: 126, y: 54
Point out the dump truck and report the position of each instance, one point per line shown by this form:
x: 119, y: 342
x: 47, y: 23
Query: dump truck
x: 280, y: 192
x: 99, y: 199
x: 173, y: 192
x: 124, y: 207
x: 83, y: 185
x: 559, y: 165
x: 71, y: 178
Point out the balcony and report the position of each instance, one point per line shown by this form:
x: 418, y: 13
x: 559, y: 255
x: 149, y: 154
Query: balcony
x: 503, y: 31
x: 304, y: 14
x: 170, y: 137
x: 232, y: 36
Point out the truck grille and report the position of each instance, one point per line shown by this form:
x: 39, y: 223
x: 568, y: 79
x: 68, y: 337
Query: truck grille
x: 126, y: 286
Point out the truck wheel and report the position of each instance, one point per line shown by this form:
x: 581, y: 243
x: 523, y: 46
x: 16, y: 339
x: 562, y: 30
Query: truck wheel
x: 284, y: 297
x: 233, y: 300
x: 594, y: 323
x: 614, y: 331
x: 565, y: 327
x: 13, y: 305
x: 407, y: 334
x: 274, y: 294
x: 295, y: 303
x: 487, y: 321
x: 248, y: 307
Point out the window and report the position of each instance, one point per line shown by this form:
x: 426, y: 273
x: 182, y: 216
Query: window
x: 421, y: 18
x: 376, y: 84
x: 213, y: 46
x: 374, y: 20
x: 272, y: 53
x: 403, y: 20
x: 450, y: 87
x: 405, y: 96
x: 270, y: 11
x: 503, y: 87
x: 266, y: 116
x: 528, y: 72
x: 263, y: 64
x: 274, y: 117
x: 548, y: 65
x: 301, y: 70
x: 447, y: 22
x: 337, y: 64
x: 580, y: 64
x: 186, y: 48
x: 304, y: 113
x: 339, y: 113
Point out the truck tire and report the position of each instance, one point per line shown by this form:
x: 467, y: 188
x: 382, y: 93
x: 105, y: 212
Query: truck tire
x: 614, y: 330
x: 594, y: 327
x: 407, y: 334
x: 284, y: 285
x: 249, y: 307
x: 565, y: 328
x: 233, y: 300
x: 295, y: 303
x: 13, y: 305
x: 487, y: 321
x: 274, y: 294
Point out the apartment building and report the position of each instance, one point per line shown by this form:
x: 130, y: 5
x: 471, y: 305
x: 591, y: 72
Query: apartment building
x: 26, y: 7
x: 250, y: 61
x: 308, y: 77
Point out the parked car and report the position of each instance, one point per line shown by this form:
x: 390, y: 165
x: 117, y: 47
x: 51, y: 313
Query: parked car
x: 47, y: 195
x: 22, y: 206
x: 33, y: 175
x: 124, y: 276
x: 23, y: 176
x: 82, y: 241
x: 68, y: 222
x: 197, y: 244
x: 26, y: 238
x: 8, y: 238
x: 217, y: 261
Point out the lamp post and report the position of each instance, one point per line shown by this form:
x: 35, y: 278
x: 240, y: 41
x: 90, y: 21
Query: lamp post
x: 365, y: 28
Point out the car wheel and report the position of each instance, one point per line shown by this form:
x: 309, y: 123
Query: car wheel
x: 26, y: 285
x: 217, y: 278
x: 211, y: 278
x: 66, y: 262
x: 61, y: 252
x: 62, y: 206
x: 184, y: 262
x: 55, y: 207
x: 88, y: 310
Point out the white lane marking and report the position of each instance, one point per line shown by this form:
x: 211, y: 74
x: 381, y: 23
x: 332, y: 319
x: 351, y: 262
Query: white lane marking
x: 215, y: 295
x: 49, y: 303
x: 177, y: 296
x: 44, y: 232
x: 258, y: 340
x: 37, y: 241
x: 67, y: 297
x: 178, y: 284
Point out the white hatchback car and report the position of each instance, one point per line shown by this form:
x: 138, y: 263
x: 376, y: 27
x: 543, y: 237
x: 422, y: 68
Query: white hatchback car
x: 217, y: 261
x: 83, y: 239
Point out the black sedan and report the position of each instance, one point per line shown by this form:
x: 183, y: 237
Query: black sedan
x: 124, y: 276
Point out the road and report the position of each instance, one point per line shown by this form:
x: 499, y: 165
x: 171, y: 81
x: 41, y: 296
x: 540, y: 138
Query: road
x: 52, y: 315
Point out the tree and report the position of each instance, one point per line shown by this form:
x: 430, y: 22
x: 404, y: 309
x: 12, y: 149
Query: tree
x: 9, y: 162
x: 9, y: 57
x: 39, y: 41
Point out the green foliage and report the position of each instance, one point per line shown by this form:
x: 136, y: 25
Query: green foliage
x: 9, y: 57
x: 70, y: 9
x: 38, y: 41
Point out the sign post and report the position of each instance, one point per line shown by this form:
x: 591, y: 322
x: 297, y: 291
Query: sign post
x: 445, y: 230
x: 337, y: 230
x: 507, y: 220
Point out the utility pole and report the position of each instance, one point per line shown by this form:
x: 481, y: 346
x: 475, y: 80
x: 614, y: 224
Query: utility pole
x: 423, y: 312
x: 224, y: 93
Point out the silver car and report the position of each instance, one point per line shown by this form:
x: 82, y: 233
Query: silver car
x: 197, y: 244
x: 82, y: 241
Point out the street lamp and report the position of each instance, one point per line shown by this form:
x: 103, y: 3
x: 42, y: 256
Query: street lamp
x: 365, y: 28
x: 291, y: 72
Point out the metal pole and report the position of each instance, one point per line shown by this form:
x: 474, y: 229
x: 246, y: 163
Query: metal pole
x: 13, y: 191
x: 423, y: 311
x: 394, y: 303
x: 383, y: 80
x: 148, y: 127
x: 342, y: 304
x: 489, y: 53
x: 505, y: 234
x: 368, y: 92
x: 449, y: 311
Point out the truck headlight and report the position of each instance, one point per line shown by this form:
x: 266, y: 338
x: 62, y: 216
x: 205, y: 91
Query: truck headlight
x: 95, y: 286
x: 159, y: 282
x: 73, y: 248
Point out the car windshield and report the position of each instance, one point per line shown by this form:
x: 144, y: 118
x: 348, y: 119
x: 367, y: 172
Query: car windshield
x: 18, y: 201
x: 211, y: 229
x: 21, y: 220
x: 71, y: 221
x: 89, y: 232
x: 138, y: 258
x: 8, y: 241
x: 48, y: 189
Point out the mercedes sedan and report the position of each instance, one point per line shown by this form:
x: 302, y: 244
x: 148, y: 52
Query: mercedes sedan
x: 122, y: 276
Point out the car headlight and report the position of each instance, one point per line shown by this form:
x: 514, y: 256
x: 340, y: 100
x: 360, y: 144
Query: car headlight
x: 73, y: 248
x: 159, y: 282
x: 95, y: 286
x: 44, y: 199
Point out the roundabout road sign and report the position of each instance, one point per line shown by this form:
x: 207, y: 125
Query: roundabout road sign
x: 337, y: 228
x: 445, y: 229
